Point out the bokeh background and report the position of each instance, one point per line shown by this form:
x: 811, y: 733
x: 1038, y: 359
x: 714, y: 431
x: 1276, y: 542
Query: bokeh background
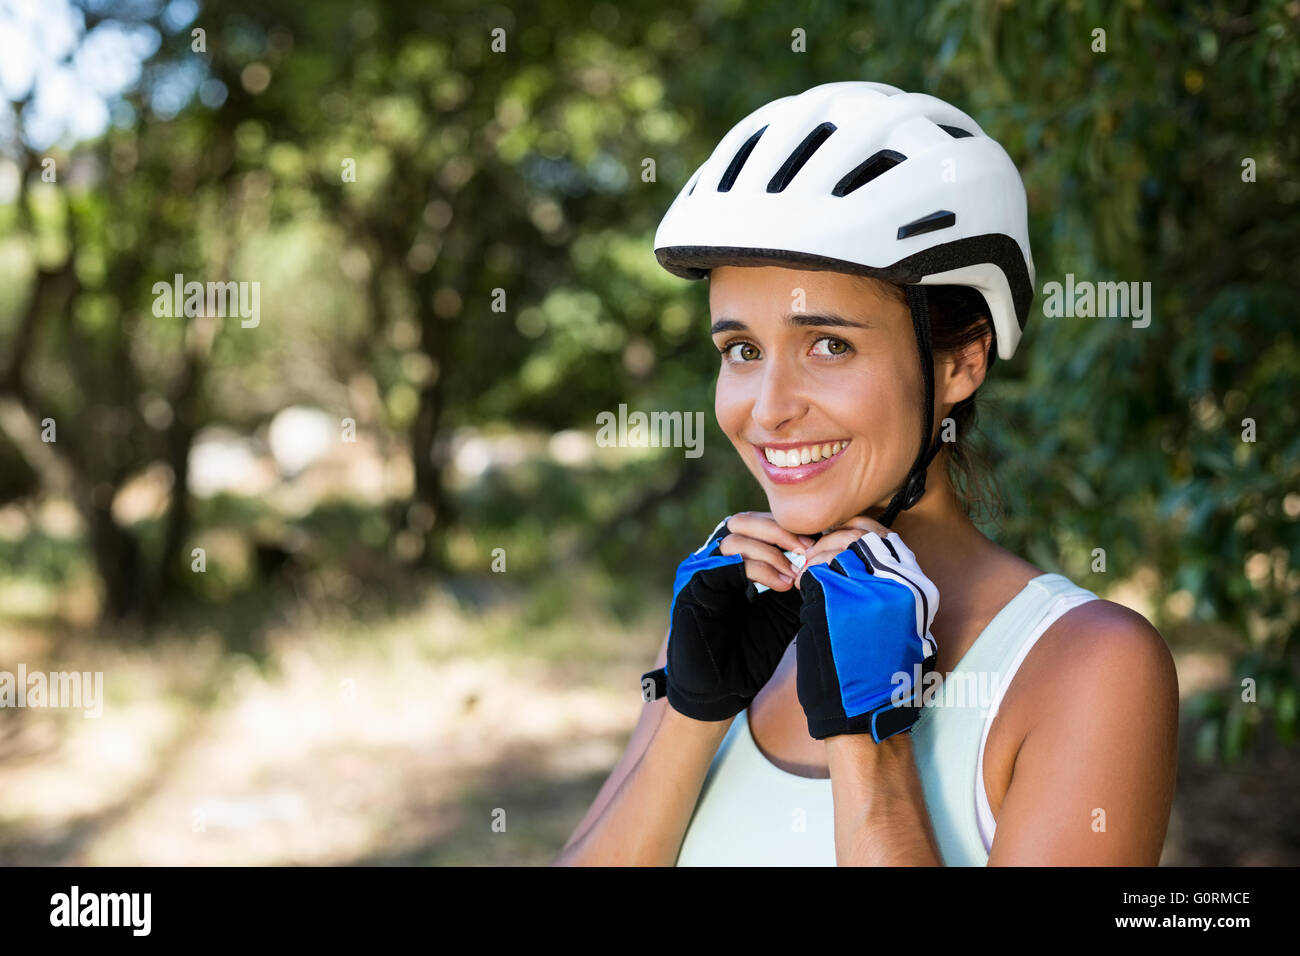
x: 349, y: 680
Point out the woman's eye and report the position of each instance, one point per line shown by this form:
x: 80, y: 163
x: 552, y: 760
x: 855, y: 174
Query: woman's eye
x: 833, y: 347
x: 748, y: 351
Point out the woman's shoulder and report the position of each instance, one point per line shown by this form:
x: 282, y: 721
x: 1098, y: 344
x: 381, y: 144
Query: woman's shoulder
x: 1099, y: 634
x: 1101, y: 654
x: 1093, y: 723
x: 1096, y: 647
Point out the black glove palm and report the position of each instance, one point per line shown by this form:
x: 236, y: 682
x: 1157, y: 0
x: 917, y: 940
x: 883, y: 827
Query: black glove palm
x: 725, y: 640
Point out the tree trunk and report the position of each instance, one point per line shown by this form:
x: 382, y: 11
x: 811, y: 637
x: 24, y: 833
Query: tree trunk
x: 117, y: 557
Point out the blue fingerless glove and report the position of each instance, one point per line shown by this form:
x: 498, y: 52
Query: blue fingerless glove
x: 864, y: 636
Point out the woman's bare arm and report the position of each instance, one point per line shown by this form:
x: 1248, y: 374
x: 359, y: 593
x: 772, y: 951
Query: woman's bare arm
x: 640, y: 815
x: 1094, y: 778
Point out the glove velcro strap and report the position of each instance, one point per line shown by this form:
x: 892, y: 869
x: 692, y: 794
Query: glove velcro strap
x: 893, y: 720
x: 882, y: 722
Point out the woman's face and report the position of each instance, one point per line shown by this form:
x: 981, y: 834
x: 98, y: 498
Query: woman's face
x: 810, y: 360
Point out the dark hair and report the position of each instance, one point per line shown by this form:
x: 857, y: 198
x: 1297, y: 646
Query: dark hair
x: 958, y: 317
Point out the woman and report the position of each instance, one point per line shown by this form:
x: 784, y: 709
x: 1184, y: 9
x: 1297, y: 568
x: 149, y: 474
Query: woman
x: 845, y: 232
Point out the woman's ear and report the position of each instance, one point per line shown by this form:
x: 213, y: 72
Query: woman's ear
x: 963, y: 371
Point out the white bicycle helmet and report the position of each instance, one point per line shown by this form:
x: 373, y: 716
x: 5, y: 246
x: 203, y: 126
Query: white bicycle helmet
x: 866, y: 179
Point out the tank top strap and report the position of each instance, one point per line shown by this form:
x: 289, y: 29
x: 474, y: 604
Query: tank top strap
x: 997, y: 647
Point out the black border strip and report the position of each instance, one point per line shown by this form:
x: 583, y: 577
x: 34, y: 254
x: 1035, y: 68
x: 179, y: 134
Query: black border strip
x: 694, y: 262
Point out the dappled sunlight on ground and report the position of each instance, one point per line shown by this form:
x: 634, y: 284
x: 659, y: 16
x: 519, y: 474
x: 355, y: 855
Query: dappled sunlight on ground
x: 379, y: 747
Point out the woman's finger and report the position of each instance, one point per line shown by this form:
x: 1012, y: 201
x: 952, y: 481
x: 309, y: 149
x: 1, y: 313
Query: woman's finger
x: 826, y: 548
x: 763, y: 527
x: 839, y: 539
x: 760, y: 572
x: 758, y: 553
x: 863, y: 523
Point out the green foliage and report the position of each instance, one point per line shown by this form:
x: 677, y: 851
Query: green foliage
x: 523, y: 172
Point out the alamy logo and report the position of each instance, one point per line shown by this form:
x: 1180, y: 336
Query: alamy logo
x: 976, y: 690
x: 55, y: 689
x: 1114, y: 300
x: 656, y: 430
x: 218, y: 299
x: 102, y: 909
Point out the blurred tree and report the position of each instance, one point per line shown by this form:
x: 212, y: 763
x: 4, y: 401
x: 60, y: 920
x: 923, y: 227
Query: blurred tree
x: 489, y: 264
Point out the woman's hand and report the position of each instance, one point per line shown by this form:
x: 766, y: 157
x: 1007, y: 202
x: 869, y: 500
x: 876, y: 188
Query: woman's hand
x: 865, y: 633
x: 833, y: 542
x: 724, y: 643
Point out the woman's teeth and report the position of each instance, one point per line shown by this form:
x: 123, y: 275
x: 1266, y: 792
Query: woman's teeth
x: 794, y: 457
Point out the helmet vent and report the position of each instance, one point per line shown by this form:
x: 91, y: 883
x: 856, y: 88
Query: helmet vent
x: 881, y: 162
x: 956, y: 132
x: 738, y: 162
x: 939, y: 219
x: 803, y: 152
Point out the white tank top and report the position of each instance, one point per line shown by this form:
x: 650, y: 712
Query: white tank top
x: 753, y: 813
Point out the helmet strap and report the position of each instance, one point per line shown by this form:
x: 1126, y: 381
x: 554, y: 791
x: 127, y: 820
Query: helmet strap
x: 914, y: 487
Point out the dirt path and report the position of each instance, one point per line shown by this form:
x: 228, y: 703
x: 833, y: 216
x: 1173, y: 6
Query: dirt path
x: 406, y: 746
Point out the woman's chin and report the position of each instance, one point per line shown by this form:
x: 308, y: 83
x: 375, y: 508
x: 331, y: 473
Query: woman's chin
x: 813, y: 520
x: 801, y: 520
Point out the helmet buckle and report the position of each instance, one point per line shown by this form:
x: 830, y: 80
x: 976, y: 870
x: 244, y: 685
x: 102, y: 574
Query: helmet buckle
x: 914, y: 490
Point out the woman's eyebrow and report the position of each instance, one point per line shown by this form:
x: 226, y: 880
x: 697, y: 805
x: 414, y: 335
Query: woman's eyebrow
x: 792, y: 318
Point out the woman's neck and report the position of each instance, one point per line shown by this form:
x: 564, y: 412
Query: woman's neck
x: 975, y: 576
x: 937, y: 529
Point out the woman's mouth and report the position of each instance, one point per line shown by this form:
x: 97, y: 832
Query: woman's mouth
x: 788, y: 463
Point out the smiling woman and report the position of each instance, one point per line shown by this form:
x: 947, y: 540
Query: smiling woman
x: 859, y: 295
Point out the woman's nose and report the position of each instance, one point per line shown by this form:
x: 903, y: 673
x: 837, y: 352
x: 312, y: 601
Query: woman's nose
x: 780, y: 396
